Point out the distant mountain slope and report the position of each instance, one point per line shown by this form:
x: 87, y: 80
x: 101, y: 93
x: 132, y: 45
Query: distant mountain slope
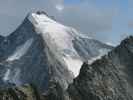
x: 41, y: 50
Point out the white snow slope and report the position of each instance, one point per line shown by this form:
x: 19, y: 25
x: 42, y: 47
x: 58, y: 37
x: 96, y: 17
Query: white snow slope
x: 59, y: 39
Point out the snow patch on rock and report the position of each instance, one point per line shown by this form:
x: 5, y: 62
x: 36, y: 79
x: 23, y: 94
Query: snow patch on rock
x: 20, y: 51
x: 7, y: 74
x: 73, y: 64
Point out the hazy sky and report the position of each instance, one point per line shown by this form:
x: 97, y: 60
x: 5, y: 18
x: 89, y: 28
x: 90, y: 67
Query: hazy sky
x: 108, y: 20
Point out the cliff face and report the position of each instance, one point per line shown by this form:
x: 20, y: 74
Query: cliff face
x: 109, y: 78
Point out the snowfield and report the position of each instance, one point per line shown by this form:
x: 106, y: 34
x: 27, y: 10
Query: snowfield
x: 59, y: 39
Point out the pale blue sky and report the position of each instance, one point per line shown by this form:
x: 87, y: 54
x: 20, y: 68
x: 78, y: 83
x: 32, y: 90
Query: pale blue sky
x: 110, y: 20
x: 123, y: 15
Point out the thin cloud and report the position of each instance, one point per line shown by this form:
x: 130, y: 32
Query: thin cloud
x: 59, y: 7
x: 85, y: 15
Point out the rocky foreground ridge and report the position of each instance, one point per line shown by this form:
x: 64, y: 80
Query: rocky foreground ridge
x: 109, y: 78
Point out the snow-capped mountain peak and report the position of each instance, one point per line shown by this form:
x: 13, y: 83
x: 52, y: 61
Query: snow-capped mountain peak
x: 41, y: 47
x: 59, y: 39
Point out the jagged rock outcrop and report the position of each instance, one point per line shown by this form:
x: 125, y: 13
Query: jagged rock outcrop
x: 30, y: 92
x: 55, y: 92
x: 26, y: 92
x: 109, y: 78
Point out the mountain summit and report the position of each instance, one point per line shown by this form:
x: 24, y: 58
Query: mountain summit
x: 42, y: 50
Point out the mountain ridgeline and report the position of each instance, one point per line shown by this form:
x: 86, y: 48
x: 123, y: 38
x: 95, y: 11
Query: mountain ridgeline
x: 109, y: 78
x: 63, y: 63
x: 41, y: 50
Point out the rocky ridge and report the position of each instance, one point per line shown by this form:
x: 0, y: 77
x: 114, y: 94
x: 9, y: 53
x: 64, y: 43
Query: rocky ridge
x: 108, y: 78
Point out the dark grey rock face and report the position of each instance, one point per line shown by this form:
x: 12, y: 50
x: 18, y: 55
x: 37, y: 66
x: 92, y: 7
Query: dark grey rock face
x: 35, y: 65
x: 109, y: 78
x: 55, y: 92
x: 26, y: 92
